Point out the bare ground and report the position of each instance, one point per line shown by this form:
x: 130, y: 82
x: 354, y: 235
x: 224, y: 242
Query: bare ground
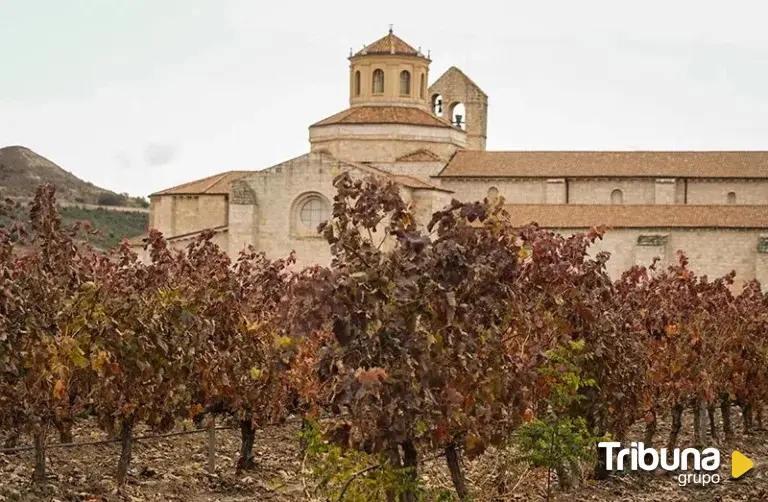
x: 174, y: 469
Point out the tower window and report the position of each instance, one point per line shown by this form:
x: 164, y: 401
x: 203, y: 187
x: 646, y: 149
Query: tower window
x: 423, y: 86
x: 437, y: 105
x: 357, y: 83
x: 617, y: 197
x: 378, y: 81
x: 731, y: 198
x: 493, y: 193
x: 405, y: 82
x: 459, y: 116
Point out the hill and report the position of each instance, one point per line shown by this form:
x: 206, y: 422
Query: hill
x: 117, y: 216
x: 114, y: 225
x: 22, y: 170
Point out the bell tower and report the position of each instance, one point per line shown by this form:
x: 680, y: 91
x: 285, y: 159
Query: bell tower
x: 389, y: 119
x: 389, y: 72
x: 456, y: 98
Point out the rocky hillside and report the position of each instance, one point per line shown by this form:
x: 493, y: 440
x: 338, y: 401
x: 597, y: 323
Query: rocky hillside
x: 22, y: 170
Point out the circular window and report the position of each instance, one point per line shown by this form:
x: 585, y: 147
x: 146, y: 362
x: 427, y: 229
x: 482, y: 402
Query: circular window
x: 313, y: 212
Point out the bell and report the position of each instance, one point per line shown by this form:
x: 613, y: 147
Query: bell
x: 458, y: 120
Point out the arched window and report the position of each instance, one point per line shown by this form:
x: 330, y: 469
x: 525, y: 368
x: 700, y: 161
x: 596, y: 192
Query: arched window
x: 617, y: 197
x: 423, y: 86
x: 459, y: 116
x: 378, y: 81
x: 313, y: 212
x: 357, y: 83
x: 493, y: 193
x: 405, y: 82
x: 437, y: 105
x: 731, y: 198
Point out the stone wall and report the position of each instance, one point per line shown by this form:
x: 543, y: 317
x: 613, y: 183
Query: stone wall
x: 384, y: 142
x: 161, y: 213
x: 716, y: 191
x: 514, y: 190
x: 711, y: 251
x: 421, y: 170
x: 266, y: 206
x: 598, y: 191
x: 175, y: 215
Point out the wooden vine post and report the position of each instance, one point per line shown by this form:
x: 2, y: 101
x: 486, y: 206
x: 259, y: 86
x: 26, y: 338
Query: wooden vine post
x: 211, y: 444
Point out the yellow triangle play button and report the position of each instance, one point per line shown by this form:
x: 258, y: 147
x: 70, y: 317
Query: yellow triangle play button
x: 740, y: 464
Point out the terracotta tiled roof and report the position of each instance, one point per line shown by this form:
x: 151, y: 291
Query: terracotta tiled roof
x: 734, y: 164
x: 420, y: 155
x: 389, y: 44
x: 577, y: 216
x: 384, y: 115
x: 217, y: 184
x: 402, y: 179
x: 413, y: 182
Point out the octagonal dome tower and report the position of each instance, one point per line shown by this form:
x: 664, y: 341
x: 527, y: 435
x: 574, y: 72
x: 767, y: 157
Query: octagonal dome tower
x: 389, y: 72
x: 389, y: 115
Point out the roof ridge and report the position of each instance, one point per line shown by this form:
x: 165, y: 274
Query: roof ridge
x: 175, y: 187
x: 698, y: 164
x: 419, y: 180
x: 215, y: 177
x: 432, y: 155
x: 389, y: 175
x: 218, y: 178
x: 389, y: 44
x: 384, y: 114
x: 653, y: 216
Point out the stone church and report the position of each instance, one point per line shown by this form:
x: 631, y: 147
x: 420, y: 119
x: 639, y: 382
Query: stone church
x: 430, y: 140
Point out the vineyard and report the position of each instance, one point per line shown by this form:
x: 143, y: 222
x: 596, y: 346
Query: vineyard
x: 418, y: 363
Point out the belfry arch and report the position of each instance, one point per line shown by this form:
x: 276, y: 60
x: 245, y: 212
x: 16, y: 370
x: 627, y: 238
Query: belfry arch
x: 455, y: 88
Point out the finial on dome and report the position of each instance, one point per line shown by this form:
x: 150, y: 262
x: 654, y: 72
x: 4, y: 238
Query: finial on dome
x: 390, y: 28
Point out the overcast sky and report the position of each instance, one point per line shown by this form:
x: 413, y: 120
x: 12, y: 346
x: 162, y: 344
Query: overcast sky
x: 141, y: 95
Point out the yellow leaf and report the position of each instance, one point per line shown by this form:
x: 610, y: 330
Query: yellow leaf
x: 284, y: 342
x: 78, y: 358
x: 255, y: 373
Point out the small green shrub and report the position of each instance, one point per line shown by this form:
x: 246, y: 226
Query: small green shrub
x: 558, y: 440
x: 111, y: 199
x: 362, y: 477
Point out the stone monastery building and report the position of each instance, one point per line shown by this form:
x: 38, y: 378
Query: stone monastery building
x: 430, y: 139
